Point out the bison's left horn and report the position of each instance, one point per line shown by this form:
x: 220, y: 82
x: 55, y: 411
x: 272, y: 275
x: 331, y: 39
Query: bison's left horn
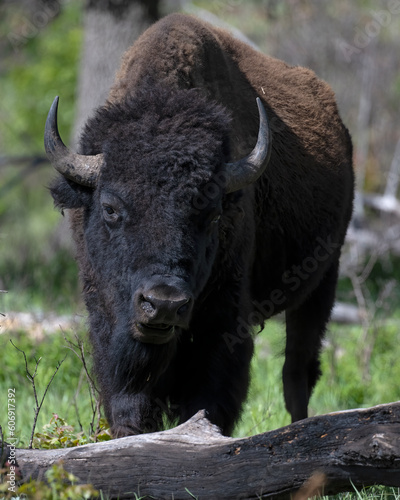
x: 81, y: 169
x: 246, y: 171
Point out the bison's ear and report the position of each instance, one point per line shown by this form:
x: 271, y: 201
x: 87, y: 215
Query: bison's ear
x: 68, y: 194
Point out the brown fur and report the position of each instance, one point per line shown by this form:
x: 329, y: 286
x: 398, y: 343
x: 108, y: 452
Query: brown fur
x: 236, y: 73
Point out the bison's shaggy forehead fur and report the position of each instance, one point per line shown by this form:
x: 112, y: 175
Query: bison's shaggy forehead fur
x: 158, y: 138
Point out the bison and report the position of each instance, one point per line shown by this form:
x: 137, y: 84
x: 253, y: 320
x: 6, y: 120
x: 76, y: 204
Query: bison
x: 213, y: 190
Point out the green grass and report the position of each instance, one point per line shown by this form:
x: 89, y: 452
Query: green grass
x: 63, y: 396
x: 370, y: 493
x: 345, y: 383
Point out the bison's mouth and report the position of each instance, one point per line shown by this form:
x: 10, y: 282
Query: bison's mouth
x: 160, y: 333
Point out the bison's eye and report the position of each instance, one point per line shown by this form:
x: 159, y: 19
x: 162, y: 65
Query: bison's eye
x: 109, y: 210
x: 110, y: 214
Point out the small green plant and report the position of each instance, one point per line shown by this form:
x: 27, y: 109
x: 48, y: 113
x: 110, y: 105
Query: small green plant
x: 58, y: 434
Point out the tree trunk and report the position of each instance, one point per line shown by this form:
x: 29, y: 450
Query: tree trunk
x: 110, y: 27
x: 360, y: 447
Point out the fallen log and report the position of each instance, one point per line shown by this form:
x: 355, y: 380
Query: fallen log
x: 360, y: 447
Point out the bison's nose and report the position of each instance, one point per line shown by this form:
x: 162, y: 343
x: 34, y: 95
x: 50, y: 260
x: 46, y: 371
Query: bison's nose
x: 164, y: 305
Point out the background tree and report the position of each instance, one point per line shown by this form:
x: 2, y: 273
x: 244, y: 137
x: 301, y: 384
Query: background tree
x: 110, y: 27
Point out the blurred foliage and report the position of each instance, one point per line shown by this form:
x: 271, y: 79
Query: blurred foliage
x: 36, y: 265
x: 385, y: 272
x: 41, y: 62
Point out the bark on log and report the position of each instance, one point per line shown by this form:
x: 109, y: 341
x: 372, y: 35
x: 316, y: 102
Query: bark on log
x: 357, y: 446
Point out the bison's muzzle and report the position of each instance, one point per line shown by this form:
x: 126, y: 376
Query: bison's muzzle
x: 160, y: 307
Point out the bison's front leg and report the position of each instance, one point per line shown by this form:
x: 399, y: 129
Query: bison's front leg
x: 216, y: 377
x: 130, y: 414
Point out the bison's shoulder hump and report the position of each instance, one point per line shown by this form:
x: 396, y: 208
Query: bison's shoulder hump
x: 172, y: 50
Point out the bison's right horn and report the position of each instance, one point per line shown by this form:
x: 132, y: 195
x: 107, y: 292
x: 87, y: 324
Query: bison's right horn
x: 81, y: 169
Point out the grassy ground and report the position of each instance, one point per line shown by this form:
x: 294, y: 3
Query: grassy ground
x: 345, y: 383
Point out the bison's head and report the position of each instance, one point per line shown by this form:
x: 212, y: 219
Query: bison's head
x: 151, y: 185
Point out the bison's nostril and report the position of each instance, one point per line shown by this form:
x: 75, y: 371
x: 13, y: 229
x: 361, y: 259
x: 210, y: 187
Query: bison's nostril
x: 147, y: 306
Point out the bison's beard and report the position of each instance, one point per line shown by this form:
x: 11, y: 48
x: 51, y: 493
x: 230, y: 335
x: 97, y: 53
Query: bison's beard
x: 138, y: 366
